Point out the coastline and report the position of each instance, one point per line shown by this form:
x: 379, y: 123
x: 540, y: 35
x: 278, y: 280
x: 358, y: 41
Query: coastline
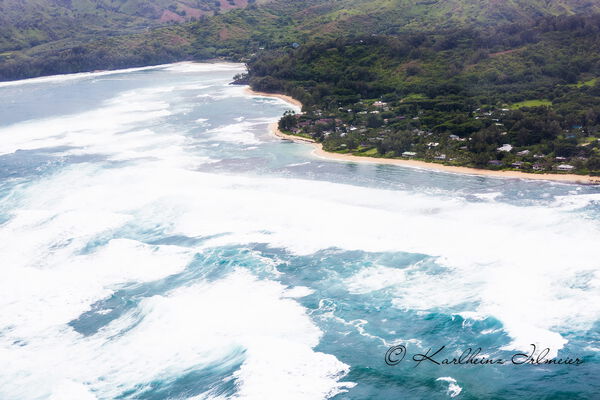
x: 319, y: 152
x: 283, y: 97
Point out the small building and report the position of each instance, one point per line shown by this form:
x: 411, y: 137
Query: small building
x: 495, y: 163
x: 409, y: 154
x: 565, y: 167
x: 517, y: 164
x: 505, y: 147
x: 523, y: 153
x: 441, y: 157
x: 380, y: 104
x: 538, y: 167
x: 454, y: 137
x: 325, y: 121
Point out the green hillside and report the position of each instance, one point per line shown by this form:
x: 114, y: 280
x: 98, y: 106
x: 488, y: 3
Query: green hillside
x: 522, y: 95
x: 28, y: 23
x: 36, y: 34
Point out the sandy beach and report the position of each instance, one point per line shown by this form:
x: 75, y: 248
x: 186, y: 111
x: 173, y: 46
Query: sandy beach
x: 287, y: 98
x: 319, y: 152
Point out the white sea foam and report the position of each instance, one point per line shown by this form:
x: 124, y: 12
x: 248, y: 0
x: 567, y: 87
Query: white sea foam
x: 81, y: 75
x: 234, y: 133
x: 453, y: 389
x: 486, y: 263
x: 576, y: 202
x: 517, y: 264
x: 298, y: 164
x: 43, y: 242
x: 375, y: 278
x: 206, y: 321
x: 185, y: 67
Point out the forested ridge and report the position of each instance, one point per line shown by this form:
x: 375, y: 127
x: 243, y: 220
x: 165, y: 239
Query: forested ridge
x: 521, y: 96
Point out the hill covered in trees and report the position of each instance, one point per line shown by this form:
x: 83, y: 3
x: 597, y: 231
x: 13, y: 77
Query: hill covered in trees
x: 36, y: 34
x: 521, y: 95
x: 41, y: 37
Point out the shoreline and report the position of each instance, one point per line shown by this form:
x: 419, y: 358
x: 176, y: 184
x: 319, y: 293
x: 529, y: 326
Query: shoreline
x: 320, y: 153
x: 284, y: 97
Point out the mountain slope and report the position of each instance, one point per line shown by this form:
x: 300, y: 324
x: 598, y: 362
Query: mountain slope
x: 37, y: 37
x: 389, y: 16
x: 27, y: 23
x: 522, y: 95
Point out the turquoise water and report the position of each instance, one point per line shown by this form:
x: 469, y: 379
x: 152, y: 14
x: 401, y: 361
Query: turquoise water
x: 158, y: 243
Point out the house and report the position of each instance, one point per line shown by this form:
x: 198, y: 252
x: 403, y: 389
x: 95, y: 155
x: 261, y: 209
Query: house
x: 440, y: 157
x: 409, y: 154
x: 324, y: 121
x: 523, y: 153
x: 538, y: 167
x: 433, y: 144
x: 496, y: 163
x: 505, y: 147
x: 454, y: 137
x: 517, y: 164
x: 560, y: 158
x: 565, y: 167
x: 379, y: 104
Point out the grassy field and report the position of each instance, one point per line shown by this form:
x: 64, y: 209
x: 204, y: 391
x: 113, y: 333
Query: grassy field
x: 590, y: 83
x: 531, y: 103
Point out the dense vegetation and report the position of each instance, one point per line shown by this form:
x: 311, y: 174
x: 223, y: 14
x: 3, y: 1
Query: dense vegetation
x: 37, y: 35
x: 522, y: 96
x: 41, y: 37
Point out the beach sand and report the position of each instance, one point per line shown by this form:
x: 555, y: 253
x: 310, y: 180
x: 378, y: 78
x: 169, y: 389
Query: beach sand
x: 319, y: 152
x: 284, y: 97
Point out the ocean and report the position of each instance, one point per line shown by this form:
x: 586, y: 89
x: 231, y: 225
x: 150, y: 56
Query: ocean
x: 157, y: 242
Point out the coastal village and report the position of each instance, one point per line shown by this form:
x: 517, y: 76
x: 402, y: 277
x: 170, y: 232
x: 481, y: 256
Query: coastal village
x: 401, y: 129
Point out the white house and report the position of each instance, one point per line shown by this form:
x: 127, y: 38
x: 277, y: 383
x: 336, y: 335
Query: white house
x: 565, y: 167
x: 505, y: 147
